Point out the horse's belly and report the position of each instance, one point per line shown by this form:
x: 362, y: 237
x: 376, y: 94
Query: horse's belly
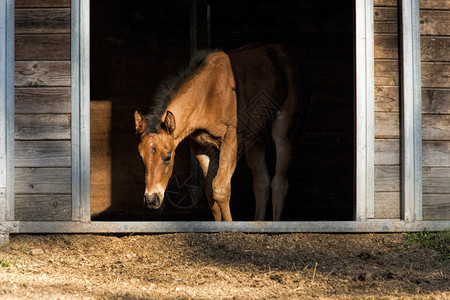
x: 205, y: 139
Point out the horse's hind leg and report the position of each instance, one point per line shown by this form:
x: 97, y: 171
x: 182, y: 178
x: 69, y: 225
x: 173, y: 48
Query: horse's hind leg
x: 256, y: 160
x: 282, y: 134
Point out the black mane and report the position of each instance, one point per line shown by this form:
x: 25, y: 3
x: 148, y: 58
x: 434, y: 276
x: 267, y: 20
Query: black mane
x: 168, y: 88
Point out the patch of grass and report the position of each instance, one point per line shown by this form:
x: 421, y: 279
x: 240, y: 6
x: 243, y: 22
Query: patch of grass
x: 437, y: 241
x: 5, y: 264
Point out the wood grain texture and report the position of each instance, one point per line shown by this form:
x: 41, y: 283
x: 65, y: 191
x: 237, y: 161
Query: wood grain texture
x: 385, y: 20
x: 42, y: 127
x: 45, y: 20
x: 436, y: 153
x: 387, y: 99
x: 436, y: 180
x: 387, y: 73
x: 42, y: 47
x: 42, y: 181
x: 385, y: 3
x: 434, y: 22
x: 387, y: 125
x: 435, y: 75
x: 386, y: 46
x: 41, y: 73
x: 54, y: 100
x: 387, y: 152
x: 41, y: 3
x: 43, y: 207
x: 435, y: 101
x: 436, y: 207
x: 435, y: 48
x: 42, y: 154
x: 387, y: 205
x: 434, y: 4
x: 387, y: 178
x: 436, y: 127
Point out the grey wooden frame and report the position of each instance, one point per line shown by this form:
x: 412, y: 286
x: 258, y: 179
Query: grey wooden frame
x: 6, y: 111
x: 411, y: 102
x: 364, y: 112
x: 81, y: 207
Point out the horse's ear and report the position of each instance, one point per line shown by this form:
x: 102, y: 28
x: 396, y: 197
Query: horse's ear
x: 169, y: 123
x: 141, y: 122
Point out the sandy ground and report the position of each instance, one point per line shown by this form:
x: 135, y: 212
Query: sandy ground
x: 221, y: 266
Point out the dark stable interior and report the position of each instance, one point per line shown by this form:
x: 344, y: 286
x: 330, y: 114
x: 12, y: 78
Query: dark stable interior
x: 135, y: 44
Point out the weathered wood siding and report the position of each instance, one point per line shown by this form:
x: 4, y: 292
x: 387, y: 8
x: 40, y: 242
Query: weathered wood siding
x: 387, y: 110
x: 42, y: 110
x: 435, y: 53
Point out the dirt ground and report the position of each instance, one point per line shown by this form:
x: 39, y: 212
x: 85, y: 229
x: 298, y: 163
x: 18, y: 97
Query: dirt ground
x: 221, y: 266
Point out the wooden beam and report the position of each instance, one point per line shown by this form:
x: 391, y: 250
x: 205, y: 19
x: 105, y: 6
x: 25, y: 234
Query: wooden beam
x: 84, y: 104
x: 210, y: 226
x: 411, y: 111
x: 364, y: 119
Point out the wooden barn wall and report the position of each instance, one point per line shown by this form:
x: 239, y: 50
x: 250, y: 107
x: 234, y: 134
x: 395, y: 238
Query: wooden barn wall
x: 435, y: 54
x: 42, y: 110
x: 387, y: 110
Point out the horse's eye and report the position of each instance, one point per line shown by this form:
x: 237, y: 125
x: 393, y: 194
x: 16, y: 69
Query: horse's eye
x: 166, y: 158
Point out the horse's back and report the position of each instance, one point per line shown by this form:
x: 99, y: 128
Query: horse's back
x: 264, y: 77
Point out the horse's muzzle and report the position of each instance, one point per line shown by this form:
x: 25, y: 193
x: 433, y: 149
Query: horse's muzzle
x: 152, y: 201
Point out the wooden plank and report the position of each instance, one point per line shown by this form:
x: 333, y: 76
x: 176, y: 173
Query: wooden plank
x: 41, y: 3
x: 387, y: 73
x: 42, y: 73
x: 436, y: 180
x: 84, y: 115
x: 434, y: 4
x: 54, y: 100
x: 43, y: 207
x: 387, y: 178
x: 435, y: 75
x: 75, y: 103
x: 435, y: 101
x: 436, y: 153
x: 386, y: 46
x: 10, y: 109
x: 436, y: 207
x: 387, y: 99
x: 385, y: 3
x: 436, y: 127
x: 385, y: 20
x: 434, y: 22
x: 42, y: 181
x: 42, y: 47
x: 42, y: 127
x: 435, y: 48
x: 211, y: 226
x: 42, y: 154
x: 387, y: 152
x: 387, y: 125
x: 387, y: 205
x: 45, y: 20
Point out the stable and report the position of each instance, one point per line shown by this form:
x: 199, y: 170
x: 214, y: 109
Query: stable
x: 374, y: 155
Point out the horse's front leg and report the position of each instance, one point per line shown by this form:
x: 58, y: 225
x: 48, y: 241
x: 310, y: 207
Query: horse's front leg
x: 227, y: 164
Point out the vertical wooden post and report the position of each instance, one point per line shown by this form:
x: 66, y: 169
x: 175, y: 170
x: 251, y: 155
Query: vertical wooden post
x: 6, y: 114
x: 411, y: 103
x: 364, y: 110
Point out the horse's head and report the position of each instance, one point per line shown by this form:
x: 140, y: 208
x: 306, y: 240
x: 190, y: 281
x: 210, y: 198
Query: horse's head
x: 156, y: 151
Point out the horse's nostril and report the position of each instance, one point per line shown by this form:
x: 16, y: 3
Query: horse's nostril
x: 153, y: 201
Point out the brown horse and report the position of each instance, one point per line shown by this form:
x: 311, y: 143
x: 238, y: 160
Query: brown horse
x: 224, y: 103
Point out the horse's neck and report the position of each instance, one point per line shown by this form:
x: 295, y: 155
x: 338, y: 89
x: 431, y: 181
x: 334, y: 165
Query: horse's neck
x: 186, y: 106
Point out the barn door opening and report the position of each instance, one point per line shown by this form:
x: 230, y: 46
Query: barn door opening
x: 135, y: 44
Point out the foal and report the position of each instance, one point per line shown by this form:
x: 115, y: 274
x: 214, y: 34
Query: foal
x: 226, y: 102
